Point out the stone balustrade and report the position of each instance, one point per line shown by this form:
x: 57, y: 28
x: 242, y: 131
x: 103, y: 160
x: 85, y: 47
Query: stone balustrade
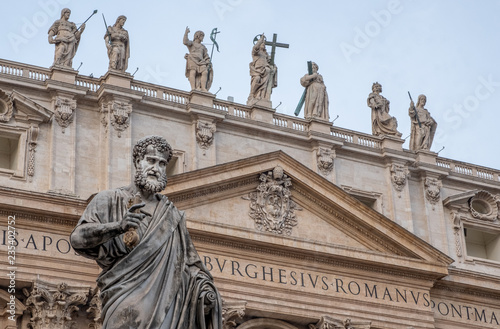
x: 468, y: 169
x: 15, y: 69
x: 24, y: 70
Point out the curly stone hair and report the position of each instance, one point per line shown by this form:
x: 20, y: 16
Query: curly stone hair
x: 157, y: 142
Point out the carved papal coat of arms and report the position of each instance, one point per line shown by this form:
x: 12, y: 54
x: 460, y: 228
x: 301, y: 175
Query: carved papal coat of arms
x: 271, y: 206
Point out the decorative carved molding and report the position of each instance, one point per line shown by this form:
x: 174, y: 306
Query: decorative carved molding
x: 95, y: 308
x: 33, y: 136
x: 6, y: 107
x: 118, y: 114
x: 232, y: 313
x: 325, y: 157
x: 432, y: 189
x: 350, y: 223
x: 64, y: 111
x: 399, y: 175
x: 52, y: 306
x: 271, y: 207
x: 484, y: 205
x: 327, y: 322
x: 205, y: 133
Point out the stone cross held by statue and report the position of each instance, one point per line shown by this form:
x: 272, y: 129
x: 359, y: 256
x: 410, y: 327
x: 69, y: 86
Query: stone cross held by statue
x: 275, y: 44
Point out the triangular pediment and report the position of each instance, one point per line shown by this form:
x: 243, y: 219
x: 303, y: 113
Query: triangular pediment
x: 329, y: 222
x: 28, y: 110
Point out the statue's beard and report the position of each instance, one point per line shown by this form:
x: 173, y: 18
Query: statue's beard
x: 141, y: 180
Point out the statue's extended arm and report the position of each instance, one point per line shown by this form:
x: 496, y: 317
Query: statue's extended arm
x: 90, y: 235
x: 186, y: 40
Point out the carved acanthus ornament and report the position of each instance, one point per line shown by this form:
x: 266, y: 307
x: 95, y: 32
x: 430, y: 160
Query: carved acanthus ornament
x: 117, y: 114
x: 52, y: 307
x: 64, y: 111
x: 432, y: 189
x: 6, y: 107
x: 399, y: 175
x: 271, y: 207
x: 95, y: 308
x: 325, y: 159
x: 327, y: 322
x: 205, y: 133
x: 232, y: 313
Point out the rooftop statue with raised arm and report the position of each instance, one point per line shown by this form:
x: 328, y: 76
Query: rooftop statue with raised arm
x: 66, y: 37
x: 199, y: 70
x: 157, y: 280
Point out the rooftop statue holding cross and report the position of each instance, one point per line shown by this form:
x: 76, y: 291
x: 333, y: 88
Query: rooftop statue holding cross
x: 263, y: 71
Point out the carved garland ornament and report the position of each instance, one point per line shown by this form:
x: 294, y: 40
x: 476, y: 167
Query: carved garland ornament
x: 271, y: 207
x: 65, y: 108
x: 205, y: 133
x: 325, y: 159
x: 399, y: 174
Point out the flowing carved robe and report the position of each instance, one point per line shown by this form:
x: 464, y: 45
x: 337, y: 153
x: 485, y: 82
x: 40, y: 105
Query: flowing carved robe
x: 382, y: 122
x: 316, y: 102
x: 263, y: 75
x: 67, y: 38
x: 421, y: 135
x: 119, y: 50
x: 159, y: 284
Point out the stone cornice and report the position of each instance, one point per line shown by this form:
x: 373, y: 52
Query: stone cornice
x: 41, y: 207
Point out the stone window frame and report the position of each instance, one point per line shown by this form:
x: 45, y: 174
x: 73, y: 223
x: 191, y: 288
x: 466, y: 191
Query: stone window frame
x: 21, y: 135
x: 24, y: 126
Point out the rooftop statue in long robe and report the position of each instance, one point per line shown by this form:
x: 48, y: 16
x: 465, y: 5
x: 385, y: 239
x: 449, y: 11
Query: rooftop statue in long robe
x: 161, y: 282
x: 382, y: 122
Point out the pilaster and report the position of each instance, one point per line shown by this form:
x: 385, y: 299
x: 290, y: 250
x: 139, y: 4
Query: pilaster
x: 115, y: 141
x: 63, y: 144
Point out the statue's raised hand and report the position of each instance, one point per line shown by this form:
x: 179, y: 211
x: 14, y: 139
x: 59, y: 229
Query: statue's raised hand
x: 131, y: 218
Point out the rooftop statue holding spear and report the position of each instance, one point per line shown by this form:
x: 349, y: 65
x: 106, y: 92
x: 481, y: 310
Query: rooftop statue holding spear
x: 117, y: 43
x: 66, y: 36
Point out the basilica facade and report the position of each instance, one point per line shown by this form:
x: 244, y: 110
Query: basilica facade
x: 301, y: 223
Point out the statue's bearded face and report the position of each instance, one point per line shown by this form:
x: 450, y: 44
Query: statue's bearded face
x: 150, y: 174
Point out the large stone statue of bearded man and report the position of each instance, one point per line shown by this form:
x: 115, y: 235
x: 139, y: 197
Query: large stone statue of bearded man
x: 159, y: 283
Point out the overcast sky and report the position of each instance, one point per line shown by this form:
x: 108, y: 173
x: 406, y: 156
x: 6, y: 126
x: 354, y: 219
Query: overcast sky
x: 448, y: 50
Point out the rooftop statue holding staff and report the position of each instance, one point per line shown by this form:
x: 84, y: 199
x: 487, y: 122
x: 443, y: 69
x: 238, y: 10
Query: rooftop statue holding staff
x: 66, y: 36
x: 423, y: 126
x: 382, y: 122
x: 158, y: 280
x: 117, y: 43
x: 198, y: 64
